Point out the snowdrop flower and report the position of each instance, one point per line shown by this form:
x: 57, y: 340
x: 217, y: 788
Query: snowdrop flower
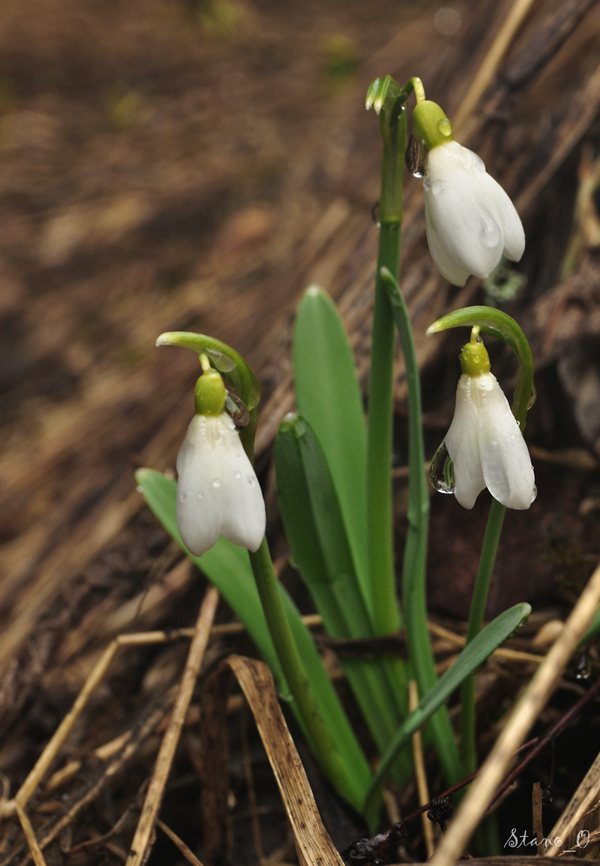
x: 484, y: 440
x: 217, y: 491
x: 471, y: 222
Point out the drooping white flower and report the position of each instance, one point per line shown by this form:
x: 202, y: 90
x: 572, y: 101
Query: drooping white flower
x: 217, y: 491
x: 471, y: 221
x: 484, y: 440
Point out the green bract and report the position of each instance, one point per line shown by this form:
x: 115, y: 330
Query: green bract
x: 233, y: 368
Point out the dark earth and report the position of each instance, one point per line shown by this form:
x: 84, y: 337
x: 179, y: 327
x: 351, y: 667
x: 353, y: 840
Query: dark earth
x: 196, y: 164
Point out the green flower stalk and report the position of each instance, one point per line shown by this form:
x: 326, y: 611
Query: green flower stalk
x: 492, y: 432
x: 389, y: 100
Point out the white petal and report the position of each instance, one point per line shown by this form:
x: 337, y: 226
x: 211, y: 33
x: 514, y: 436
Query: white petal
x: 199, y: 497
x: 244, y: 515
x: 472, y: 218
x: 505, y: 458
x: 462, y: 444
x: 217, y: 492
x: 446, y: 266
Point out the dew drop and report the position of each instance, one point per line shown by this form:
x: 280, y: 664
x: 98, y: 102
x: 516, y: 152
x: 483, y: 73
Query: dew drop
x: 419, y: 172
x: 445, y: 127
x: 533, y: 495
x: 199, y: 496
x: 222, y: 362
x: 375, y: 214
x: 490, y: 232
x: 139, y: 489
x: 426, y: 184
x: 583, y: 667
x: 216, y: 482
x: 251, y: 481
x: 238, y: 475
x: 438, y: 187
x: 441, y: 471
x: 532, y: 397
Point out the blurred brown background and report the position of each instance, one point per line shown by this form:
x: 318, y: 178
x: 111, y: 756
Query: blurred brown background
x: 195, y: 164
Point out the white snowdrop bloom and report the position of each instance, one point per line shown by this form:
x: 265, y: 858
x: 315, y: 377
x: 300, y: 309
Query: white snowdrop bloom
x: 217, y: 491
x: 471, y: 221
x: 484, y: 440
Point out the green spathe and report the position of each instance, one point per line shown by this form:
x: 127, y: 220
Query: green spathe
x: 430, y: 125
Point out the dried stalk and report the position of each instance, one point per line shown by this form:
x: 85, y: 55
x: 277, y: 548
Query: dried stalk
x: 164, y: 760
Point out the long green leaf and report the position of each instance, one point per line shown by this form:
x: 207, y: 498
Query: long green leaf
x: 317, y: 536
x: 228, y: 567
x: 414, y: 602
x: 328, y: 396
x: 474, y: 654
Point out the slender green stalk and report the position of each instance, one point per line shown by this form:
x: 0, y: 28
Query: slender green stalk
x: 415, y: 551
x: 468, y: 740
x: 379, y: 490
x: 322, y: 739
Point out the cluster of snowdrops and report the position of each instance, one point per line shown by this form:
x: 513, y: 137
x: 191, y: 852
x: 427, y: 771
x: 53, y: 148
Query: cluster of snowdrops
x: 471, y: 226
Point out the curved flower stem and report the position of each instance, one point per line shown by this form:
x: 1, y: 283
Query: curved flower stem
x: 468, y: 740
x: 503, y: 327
x: 321, y: 738
x: 415, y: 551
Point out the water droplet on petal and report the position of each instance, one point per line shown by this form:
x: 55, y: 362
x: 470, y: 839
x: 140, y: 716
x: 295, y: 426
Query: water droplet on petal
x: 533, y: 495
x: 419, y: 171
x: 532, y: 397
x: 445, y: 127
x: 441, y: 471
x: 139, y: 489
x: 237, y: 475
x: 251, y: 481
x: 216, y: 482
x: 438, y: 187
x: 490, y: 231
x: 426, y: 184
x: 199, y: 495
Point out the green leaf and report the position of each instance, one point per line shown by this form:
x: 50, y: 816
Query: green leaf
x: 328, y: 397
x: 227, y: 566
x: 474, y: 654
x: 315, y: 531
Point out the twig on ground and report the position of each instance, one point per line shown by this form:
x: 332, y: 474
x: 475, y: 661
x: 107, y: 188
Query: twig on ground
x: 171, y: 738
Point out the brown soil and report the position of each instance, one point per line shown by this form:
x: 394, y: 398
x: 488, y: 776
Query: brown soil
x: 177, y: 164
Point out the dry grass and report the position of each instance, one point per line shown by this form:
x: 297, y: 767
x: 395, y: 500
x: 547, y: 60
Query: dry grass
x: 155, y: 175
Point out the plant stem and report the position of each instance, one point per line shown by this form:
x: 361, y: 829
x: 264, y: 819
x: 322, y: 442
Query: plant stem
x: 415, y: 552
x: 322, y: 740
x: 468, y: 740
x: 379, y: 492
